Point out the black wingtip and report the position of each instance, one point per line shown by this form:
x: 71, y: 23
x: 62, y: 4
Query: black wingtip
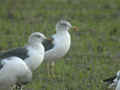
x: 109, y: 80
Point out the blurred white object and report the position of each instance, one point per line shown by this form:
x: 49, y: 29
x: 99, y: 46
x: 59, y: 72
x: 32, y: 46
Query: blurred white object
x: 13, y: 70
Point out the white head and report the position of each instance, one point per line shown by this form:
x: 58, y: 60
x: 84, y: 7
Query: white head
x: 36, y: 37
x: 63, y: 25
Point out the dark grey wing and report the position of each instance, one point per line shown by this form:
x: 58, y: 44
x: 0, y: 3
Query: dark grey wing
x: 109, y: 80
x: 19, y: 52
x: 48, y: 44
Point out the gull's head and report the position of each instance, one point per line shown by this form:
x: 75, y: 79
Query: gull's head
x: 36, y: 37
x: 63, y: 25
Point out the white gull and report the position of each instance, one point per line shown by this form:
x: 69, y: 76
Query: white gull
x: 59, y: 44
x: 32, y: 53
x: 13, y: 70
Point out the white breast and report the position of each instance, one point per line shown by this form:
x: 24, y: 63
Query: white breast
x: 13, y: 69
x: 62, y: 43
x: 36, y: 57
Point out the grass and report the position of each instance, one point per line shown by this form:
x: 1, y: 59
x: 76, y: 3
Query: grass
x: 95, y: 49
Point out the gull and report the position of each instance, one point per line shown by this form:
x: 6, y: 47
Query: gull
x: 13, y: 70
x: 114, y: 81
x: 32, y: 53
x: 59, y: 44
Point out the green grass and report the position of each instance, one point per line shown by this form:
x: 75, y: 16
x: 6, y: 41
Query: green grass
x: 95, y: 50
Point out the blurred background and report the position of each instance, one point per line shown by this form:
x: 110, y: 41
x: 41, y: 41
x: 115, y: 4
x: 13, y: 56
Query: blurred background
x: 95, y: 49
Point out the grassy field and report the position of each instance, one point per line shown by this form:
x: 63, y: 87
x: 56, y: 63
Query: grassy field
x: 95, y: 49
